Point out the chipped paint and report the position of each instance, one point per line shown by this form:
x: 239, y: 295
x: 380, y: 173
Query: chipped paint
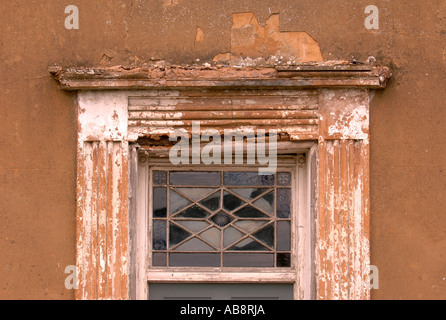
x: 344, y: 114
x: 102, y: 195
x: 250, y: 39
x: 303, y: 75
x: 102, y: 116
x: 333, y: 110
x: 343, y: 220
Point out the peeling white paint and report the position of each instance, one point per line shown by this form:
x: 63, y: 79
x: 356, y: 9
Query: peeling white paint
x: 104, y: 117
x: 352, y: 123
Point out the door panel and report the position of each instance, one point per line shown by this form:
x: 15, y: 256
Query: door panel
x: 177, y: 291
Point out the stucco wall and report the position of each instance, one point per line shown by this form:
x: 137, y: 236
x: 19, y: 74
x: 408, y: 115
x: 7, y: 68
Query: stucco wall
x: 38, y: 120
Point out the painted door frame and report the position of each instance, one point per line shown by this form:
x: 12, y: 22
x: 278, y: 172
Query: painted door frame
x: 341, y: 186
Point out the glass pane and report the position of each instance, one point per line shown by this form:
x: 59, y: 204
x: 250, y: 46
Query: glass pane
x: 266, y: 235
x: 266, y: 203
x: 283, y: 235
x: 231, y: 202
x: 176, y: 234
x: 213, y: 236
x: 247, y: 179
x: 193, y: 212
x: 194, y: 245
x: 231, y: 235
x: 250, y: 225
x: 177, y: 202
x: 159, y: 235
x: 283, y: 203
x: 221, y: 219
x: 193, y: 225
x: 159, y: 202
x: 240, y: 224
x: 283, y: 260
x: 248, y: 260
x: 194, y: 260
x: 249, y: 193
x: 248, y: 245
x: 195, y: 178
x: 159, y: 178
x: 159, y: 259
x: 250, y: 212
x: 284, y: 179
x: 212, y: 202
x: 195, y: 194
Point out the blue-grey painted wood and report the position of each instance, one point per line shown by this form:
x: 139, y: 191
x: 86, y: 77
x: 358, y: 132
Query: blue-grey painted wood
x: 210, y: 291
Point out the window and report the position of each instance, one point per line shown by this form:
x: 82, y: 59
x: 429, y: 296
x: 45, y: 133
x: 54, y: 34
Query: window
x: 221, y: 218
x: 223, y: 224
x: 326, y: 105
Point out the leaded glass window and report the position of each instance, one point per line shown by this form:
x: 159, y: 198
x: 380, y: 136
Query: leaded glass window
x: 221, y: 219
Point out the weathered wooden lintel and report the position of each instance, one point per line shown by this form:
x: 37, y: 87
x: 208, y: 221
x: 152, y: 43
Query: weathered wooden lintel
x: 305, y: 76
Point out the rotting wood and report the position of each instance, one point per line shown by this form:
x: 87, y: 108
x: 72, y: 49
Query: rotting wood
x: 184, y: 77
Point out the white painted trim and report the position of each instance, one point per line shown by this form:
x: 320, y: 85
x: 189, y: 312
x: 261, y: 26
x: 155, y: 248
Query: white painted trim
x: 163, y: 276
x: 142, y: 230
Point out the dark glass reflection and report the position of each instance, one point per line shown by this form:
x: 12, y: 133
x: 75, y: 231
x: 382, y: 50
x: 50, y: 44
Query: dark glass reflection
x: 159, y: 235
x: 212, y: 202
x: 231, y: 202
x: 193, y: 212
x: 283, y: 260
x: 159, y: 202
x: 248, y: 245
x: 177, y: 234
x: 249, y: 193
x: 249, y: 212
x: 266, y: 235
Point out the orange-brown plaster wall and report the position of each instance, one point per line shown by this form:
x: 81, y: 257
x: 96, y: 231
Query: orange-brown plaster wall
x: 38, y: 120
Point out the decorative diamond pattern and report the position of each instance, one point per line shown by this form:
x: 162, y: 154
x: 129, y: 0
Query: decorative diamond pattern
x: 221, y: 219
x: 195, y: 218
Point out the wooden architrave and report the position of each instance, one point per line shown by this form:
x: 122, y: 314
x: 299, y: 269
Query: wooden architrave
x: 341, y: 129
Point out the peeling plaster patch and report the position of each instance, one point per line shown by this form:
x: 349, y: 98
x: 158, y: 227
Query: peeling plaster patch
x: 249, y: 39
x: 199, y: 36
